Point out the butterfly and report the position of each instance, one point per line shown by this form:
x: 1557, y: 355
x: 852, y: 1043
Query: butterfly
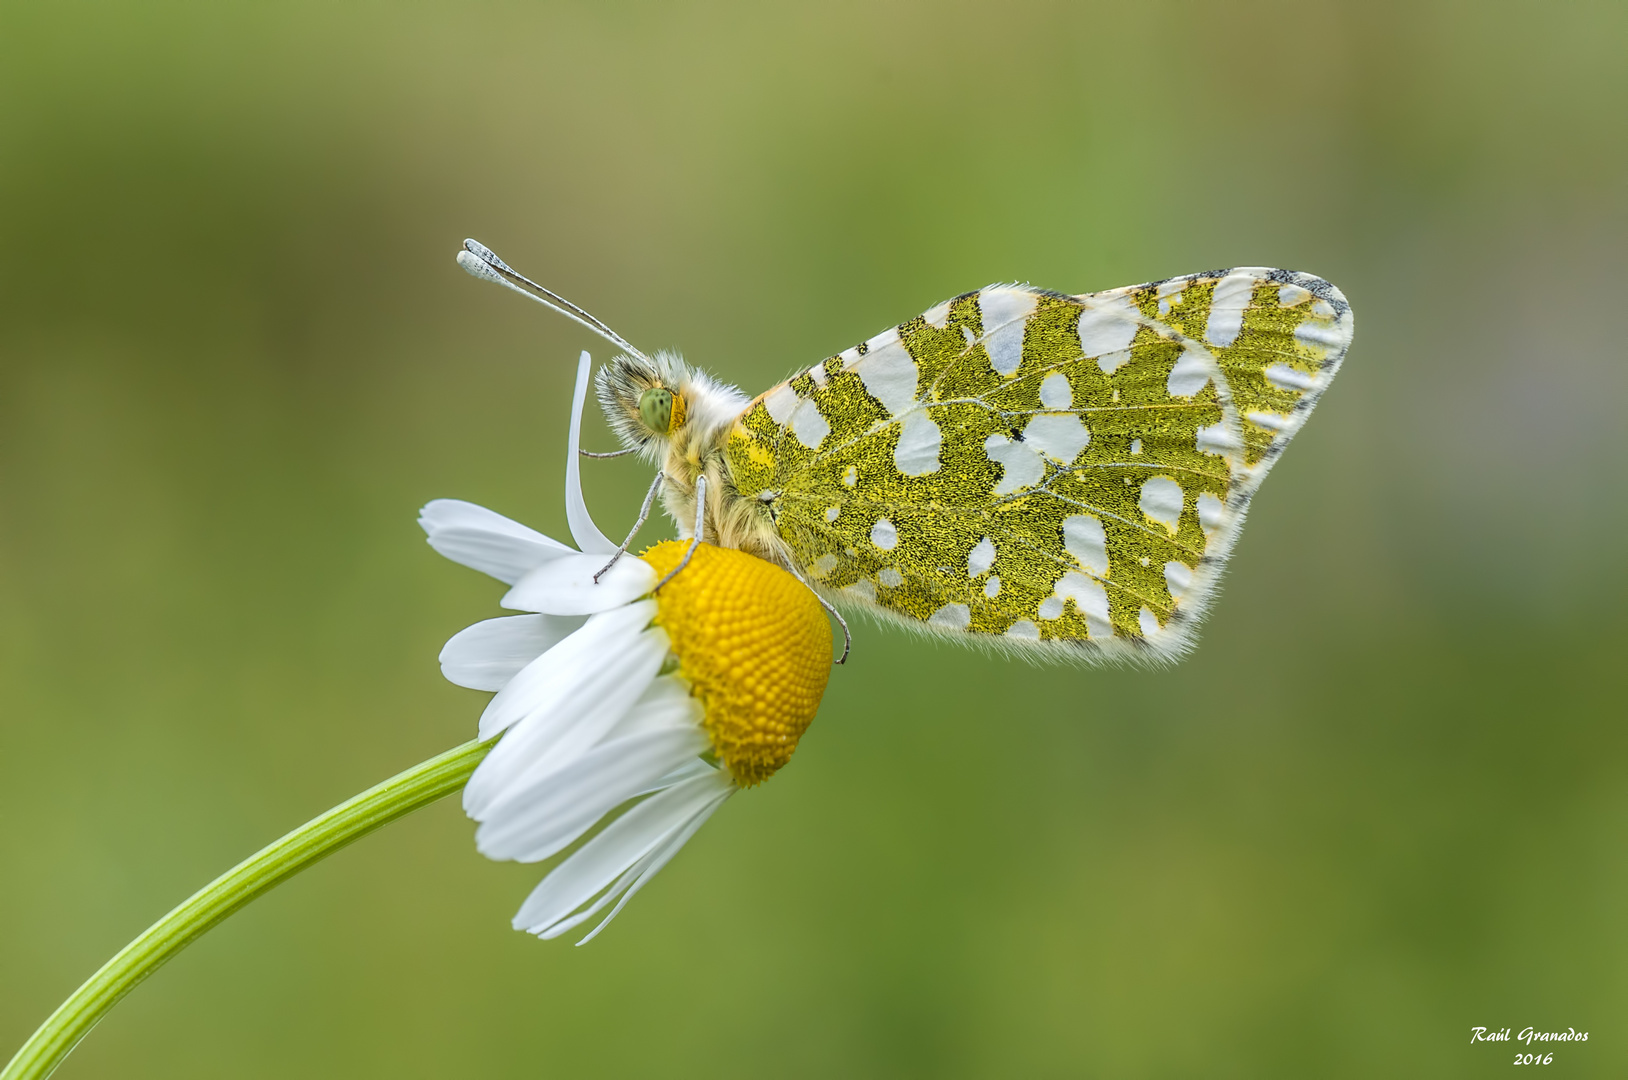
x: 1058, y: 475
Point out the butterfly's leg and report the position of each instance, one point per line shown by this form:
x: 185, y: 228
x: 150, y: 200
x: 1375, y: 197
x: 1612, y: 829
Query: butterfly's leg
x: 608, y: 453
x: 847, y: 637
x: 695, y: 541
x: 644, y: 514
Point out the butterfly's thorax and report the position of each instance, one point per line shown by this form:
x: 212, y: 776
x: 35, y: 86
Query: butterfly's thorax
x: 701, y: 414
x: 734, y: 519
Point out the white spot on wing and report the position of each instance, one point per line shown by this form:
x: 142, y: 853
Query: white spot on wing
x: 884, y: 535
x: 1227, y: 304
x: 919, y: 443
x: 1149, y: 623
x: 992, y: 587
x: 1285, y: 377
x: 1211, y: 512
x: 1193, y: 369
x: 1024, y: 629
x: 808, y: 425
x: 1161, y: 500
x: 1292, y: 295
x: 1005, y: 314
x: 886, y: 339
x: 1136, y: 446
x: 1092, y: 600
x: 823, y: 565
x: 1051, y: 607
x: 862, y: 590
x: 1319, y: 336
x: 831, y: 513
x: 1055, y: 391
x: 1112, y: 362
x: 1270, y: 421
x: 890, y: 577
x: 1084, y: 539
x: 1057, y: 435
x: 938, y: 316
x: 1178, y: 578
x: 955, y: 616
x: 888, y: 372
x: 780, y: 402
x: 850, y: 476
x: 817, y: 373
x: 1217, y: 439
x: 981, y: 558
x: 1107, y: 325
x: 1022, y: 465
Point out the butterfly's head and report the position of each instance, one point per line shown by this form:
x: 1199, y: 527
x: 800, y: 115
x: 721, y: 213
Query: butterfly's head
x: 643, y: 398
x: 653, y: 403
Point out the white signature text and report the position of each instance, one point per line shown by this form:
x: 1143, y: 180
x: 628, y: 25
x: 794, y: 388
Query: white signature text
x: 1527, y: 1035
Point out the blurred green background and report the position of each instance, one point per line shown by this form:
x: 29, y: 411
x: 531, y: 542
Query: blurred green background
x: 1386, y: 800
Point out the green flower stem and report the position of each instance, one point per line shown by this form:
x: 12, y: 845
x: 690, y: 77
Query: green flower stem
x: 269, y: 867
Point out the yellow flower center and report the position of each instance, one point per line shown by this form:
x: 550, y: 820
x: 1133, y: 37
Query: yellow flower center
x: 755, y: 646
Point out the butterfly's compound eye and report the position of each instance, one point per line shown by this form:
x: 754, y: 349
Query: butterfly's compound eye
x: 656, y: 409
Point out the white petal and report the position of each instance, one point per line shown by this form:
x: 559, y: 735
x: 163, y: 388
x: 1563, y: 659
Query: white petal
x: 635, y: 876
x: 566, y: 586
x: 665, y: 703
x: 583, y: 529
x: 652, y: 864
x: 544, y: 744
x: 573, y: 715
x: 485, y: 540
x: 607, y: 654
x: 618, y: 887
x: 545, y: 813
x: 620, y: 847
x: 689, y: 770
x: 487, y: 655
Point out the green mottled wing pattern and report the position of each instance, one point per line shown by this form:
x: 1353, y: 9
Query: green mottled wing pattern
x: 1027, y: 468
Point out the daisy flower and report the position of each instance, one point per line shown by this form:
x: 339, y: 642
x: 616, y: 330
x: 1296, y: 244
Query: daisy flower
x: 668, y: 681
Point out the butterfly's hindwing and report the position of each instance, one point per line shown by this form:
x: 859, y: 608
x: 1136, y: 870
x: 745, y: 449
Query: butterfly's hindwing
x: 1029, y: 467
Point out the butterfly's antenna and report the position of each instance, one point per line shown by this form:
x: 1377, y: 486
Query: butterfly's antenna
x: 482, y: 262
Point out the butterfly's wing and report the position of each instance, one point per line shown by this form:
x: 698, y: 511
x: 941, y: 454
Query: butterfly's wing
x: 1023, y: 467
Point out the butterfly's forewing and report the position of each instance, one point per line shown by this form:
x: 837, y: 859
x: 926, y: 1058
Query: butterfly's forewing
x: 1017, y: 466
